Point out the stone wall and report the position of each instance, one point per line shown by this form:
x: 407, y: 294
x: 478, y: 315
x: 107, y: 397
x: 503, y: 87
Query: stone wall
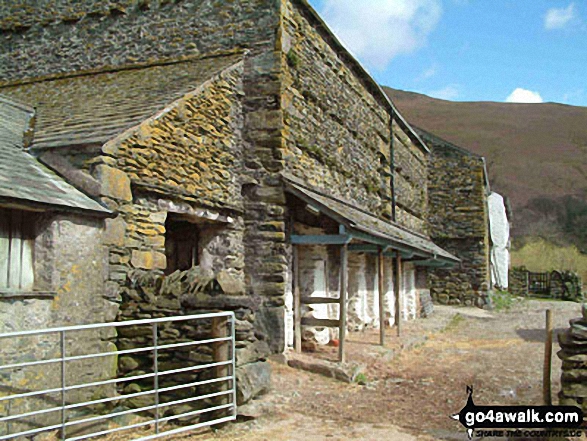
x: 337, y: 130
x: 187, y: 161
x: 52, y: 37
x: 518, y: 281
x: 198, y: 290
x: 467, y: 283
x: 573, y: 354
x: 70, y: 273
x: 410, y: 181
x: 458, y: 222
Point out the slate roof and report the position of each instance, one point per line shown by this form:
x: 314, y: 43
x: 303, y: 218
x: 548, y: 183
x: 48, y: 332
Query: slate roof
x: 94, y: 107
x: 360, y: 220
x: 23, y: 179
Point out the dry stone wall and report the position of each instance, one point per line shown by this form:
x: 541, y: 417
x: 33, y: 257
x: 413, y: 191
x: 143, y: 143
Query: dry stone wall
x: 573, y: 354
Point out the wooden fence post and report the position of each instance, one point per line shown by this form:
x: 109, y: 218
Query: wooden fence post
x: 546, y: 386
x: 381, y: 299
x: 343, y: 302
x: 397, y: 281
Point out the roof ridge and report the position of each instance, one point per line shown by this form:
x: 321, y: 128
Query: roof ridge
x: 125, y: 67
x: 434, y: 136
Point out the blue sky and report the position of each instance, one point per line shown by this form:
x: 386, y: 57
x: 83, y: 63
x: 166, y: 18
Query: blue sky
x: 469, y: 50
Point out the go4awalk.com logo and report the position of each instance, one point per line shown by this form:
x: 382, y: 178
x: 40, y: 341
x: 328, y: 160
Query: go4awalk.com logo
x: 513, y: 420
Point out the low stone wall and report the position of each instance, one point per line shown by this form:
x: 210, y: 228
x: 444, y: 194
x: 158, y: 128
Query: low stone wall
x: 573, y: 354
x: 148, y: 294
x: 518, y: 281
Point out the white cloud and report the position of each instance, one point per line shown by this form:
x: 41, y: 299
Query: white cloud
x: 557, y: 18
x: 428, y: 73
x: 520, y: 95
x: 450, y: 92
x: 379, y: 30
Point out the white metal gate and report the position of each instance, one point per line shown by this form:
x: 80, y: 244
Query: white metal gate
x: 217, y: 402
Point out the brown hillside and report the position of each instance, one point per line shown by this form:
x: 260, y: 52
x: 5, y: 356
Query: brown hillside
x: 534, y: 152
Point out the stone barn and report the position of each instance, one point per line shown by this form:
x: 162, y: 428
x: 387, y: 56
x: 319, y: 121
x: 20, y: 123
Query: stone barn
x: 467, y: 219
x: 241, y: 143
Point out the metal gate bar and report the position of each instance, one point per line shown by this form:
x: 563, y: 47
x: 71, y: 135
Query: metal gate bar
x: 155, y: 348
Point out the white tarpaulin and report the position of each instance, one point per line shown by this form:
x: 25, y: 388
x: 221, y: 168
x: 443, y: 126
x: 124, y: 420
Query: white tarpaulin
x: 499, y: 230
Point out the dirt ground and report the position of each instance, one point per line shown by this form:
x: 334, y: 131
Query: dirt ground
x: 415, y: 382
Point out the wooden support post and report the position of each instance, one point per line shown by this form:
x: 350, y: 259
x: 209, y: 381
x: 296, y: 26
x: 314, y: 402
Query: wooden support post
x: 343, y: 302
x: 546, y: 387
x: 297, y: 300
x: 221, y: 352
x: 397, y: 282
x: 381, y: 299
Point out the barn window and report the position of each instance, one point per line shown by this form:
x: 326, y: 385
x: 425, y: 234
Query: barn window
x: 16, y: 250
x: 181, y: 244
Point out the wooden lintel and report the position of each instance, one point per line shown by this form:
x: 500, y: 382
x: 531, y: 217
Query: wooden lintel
x: 320, y: 323
x: 320, y: 239
x: 319, y: 300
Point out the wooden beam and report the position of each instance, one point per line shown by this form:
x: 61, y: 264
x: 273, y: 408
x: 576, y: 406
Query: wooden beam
x: 397, y: 282
x: 343, y: 302
x: 320, y: 239
x: 435, y: 263
x: 297, y: 308
x: 320, y: 323
x: 381, y: 299
x: 319, y: 300
x: 369, y: 249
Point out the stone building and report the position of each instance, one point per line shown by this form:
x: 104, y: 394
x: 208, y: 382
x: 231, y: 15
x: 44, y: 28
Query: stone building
x: 238, y: 138
x: 52, y: 261
x: 467, y: 219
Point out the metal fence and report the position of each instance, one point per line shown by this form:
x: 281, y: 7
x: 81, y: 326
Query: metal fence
x: 209, y: 400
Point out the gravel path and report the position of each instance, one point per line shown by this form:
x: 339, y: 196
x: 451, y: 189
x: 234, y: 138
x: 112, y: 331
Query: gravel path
x: 414, y: 383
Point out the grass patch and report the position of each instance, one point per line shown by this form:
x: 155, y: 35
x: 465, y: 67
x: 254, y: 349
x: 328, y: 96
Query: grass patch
x: 504, y: 300
x: 292, y: 59
x: 454, y: 322
x: 361, y: 379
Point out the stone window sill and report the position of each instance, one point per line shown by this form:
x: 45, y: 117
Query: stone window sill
x: 27, y: 294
